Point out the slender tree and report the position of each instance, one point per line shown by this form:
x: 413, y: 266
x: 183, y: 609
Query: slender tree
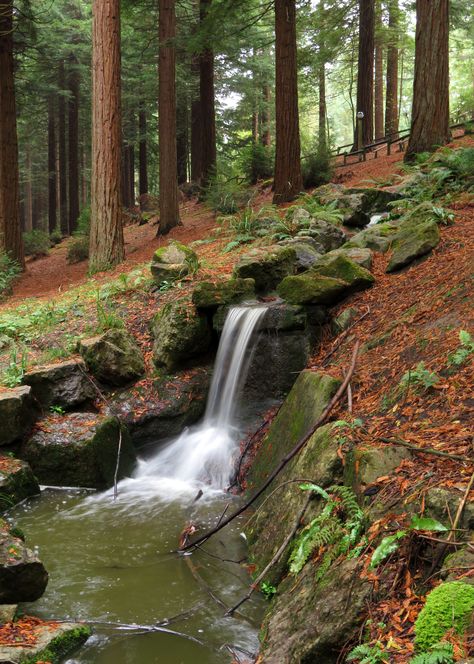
x: 106, y: 238
x: 10, y: 232
x: 266, y: 129
x: 430, y: 111
x: 142, y: 151
x: 378, y: 81
x: 196, y: 128
x: 288, y: 178
x: 62, y: 152
x: 182, y: 130
x: 207, y: 105
x: 51, y: 164
x: 169, y: 208
x: 391, y: 100
x: 365, y: 73
x: 73, y: 142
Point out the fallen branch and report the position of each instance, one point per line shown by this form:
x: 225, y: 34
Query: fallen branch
x: 286, y: 459
x: 422, y: 450
x: 339, y: 339
x: 274, y: 560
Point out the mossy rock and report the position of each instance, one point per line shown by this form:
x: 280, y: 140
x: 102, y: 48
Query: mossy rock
x: 181, y: 333
x: 113, y: 358
x: 312, y: 288
x: 18, y: 412
x: 17, y: 482
x: 79, y: 450
x: 173, y: 261
x: 344, y: 320
x: 23, y: 577
x: 412, y: 242
x: 376, y: 199
x: 364, y: 467
x: 450, y: 606
x: 378, y: 237
x: 209, y: 295
x: 343, y: 268
x: 457, y: 563
x: 52, y: 644
x: 63, y: 384
x: 267, y: 267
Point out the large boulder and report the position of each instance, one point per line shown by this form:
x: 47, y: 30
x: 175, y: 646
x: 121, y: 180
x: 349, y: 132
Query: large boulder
x: 113, y: 357
x: 312, y: 623
x: 412, y: 242
x: 208, y: 295
x: 64, y: 384
x: 163, y: 411
x: 378, y: 237
x: 79, y: 449
x: 327, y: 235
x: 306, y: 254
x: 181, y: 333
x: 363, y: 467
x: 23, y: 577
x: 376, y: 200
x: 172, y: 262
x: 267, y: 266
x: 17, y: 413
x: 52, y: 642
x: 17, y: 482
x: 342, y: 267
x: 312, y: 288
x: 361, y: 256
x: 279, y: 317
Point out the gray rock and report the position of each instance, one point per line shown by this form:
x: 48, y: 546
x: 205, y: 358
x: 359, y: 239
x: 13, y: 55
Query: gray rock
x: 17, y: 482
x: 23, y: 577
x: 113, y: 357
x: 267, y: 266
x: 209, y: 295
x: 172, y: 262
x: 457, y: 564
x: 338, y: 265
x: 344, y: 320
x: 79, y: 449
x: 64, y: 384
x: 361, y: 256
x: 17, y: 413
x: 279, y: 317
x: 378, y: 237
x: 52, y: 642
x: 413, y: 242
x: 328, y: 236
x: 364, y: 467
x: 312, y: 288
x: 442, y: 504
x: 7, y: 613
x: 181, y: 333
x: 306, y: 255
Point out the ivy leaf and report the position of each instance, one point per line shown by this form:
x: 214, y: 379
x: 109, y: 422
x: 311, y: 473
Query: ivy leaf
x: 425, y: 523
x: 386, y: 547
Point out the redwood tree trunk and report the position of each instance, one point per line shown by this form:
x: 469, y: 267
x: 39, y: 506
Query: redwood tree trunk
x: 62, y: 153
x: 106, y: 238
x: 182, y: 147
x: 142, y: 152
x: 73, y: 144
x: 288, y: 178
x: 207, y: 107
x: 391, y: 107
x: 430, y: 112
x: 169, y: 209
x: 126, y: 202
x: 51, y: 165
x: 196, y: 129
x: 365, y: 75
x: 28, y: 191
x: 378, y: 90
x: 10, y: 231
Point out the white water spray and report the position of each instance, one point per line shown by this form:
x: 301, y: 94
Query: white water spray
x: 204, y: 455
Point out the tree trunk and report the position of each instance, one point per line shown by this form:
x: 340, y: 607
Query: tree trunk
x: 288, y: 178
x: 365, y: 74
x: 207, y: 109
x: 430, y: 111
x: 169, y: 209
x: 378, y: 89
x: 322, y: 143
x: 62, y: 155
x: 391, y: 102
x: 125, y: 161
x: 106, y: 238
x: 28, y: 191
x: 73, y: 145
x: 182, y: 147
x: 10, y: 230
x: 196, y: 129
x: 266, y: 129
x: 51, y: 165
x: 131, y: 173
x: 142, y: 152
x: 255, y: 124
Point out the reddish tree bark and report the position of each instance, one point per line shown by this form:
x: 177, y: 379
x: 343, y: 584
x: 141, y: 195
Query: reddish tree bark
x: 322, y: 133
x: 391, y: 100
x: 365, y: 74
x: 196, y: 129
x: 73, y: 143
x: 106, y: 237
x: 10, y: 231
x: 142, y: 152
x: 51, y: 164
x: 169, y: 208
x: 207, y: 106
x: 378, y: 82
x: 62, y: 153
x: 288, y: 178
x: 182, y: 141
x: 430, y: 112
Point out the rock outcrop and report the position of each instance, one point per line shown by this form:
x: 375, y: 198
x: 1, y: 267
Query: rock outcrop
x: 17, y: 482
x: 173, y: 262
x: 23, y: 577
x: 267, y: 267
x: 64, y: 384
x: 113, y: 358
x: 17, y: 413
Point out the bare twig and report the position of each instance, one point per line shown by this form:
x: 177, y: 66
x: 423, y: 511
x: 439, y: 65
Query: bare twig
x: 422, y: 450
x: 274, y: 560
x: 287, y: 458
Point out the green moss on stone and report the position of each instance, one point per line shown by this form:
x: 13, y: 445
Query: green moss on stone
x: 313, y: 288
x: 268, y: 267
x: 60, y: 647
x: 207, y: 295
x: 343, y: 268
x: 413, y: 242
x: 449, y: 606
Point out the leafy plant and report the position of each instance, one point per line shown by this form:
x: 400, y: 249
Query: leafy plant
x: 9, y: 270
x: 419, y: 377
x: 317, y: 169
x: 226, y: 195
x: 268, y: 589
x: 328, y: 212
x: 107, y: 319
x: 465, y: 349
x: 440, y: 653
x: 36, y: 243
x: 78, y: 249
x: 83, y: 225
x: 13, y: 375
x: 391, y: 543
x: 56, y: 236
x: 59, y: 410
x: 257, y: 162
x: 367, y: 654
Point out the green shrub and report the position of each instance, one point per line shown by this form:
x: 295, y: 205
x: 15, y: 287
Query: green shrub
x: 257, y: 162
x: 9, y: 269
x: 448, y: 607
x: 78, y: 249
x: 317, y: 169
x: 56, y: 236
x: 84, y: 222
x: 37, y: 243
x: 226, y: 195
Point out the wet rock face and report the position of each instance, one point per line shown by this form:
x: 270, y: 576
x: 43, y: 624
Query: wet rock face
x: 313, y: 623
x: 17, y: 413
x: 173, y: 262
x: 113, y: 358
x: 267, y: 266
x: 23, y: 577
x: 208, y: 295
x: 17, y: 482
x: 64, y: 384
x: 174, y: 403
x: 181, y: 334
x: 79, y: 450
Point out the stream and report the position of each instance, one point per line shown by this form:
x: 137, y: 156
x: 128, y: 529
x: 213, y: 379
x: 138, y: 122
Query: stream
x: 114, y: 561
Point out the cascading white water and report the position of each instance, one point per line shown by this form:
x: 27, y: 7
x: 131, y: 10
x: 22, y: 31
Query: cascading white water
x: 204, y: 454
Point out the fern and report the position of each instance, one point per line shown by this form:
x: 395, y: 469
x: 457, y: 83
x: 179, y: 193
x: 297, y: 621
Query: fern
x: 367, y: 654
x: 440, y: 653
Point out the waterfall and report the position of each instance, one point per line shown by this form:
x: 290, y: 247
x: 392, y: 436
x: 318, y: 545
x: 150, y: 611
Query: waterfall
x: 204, y: 455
